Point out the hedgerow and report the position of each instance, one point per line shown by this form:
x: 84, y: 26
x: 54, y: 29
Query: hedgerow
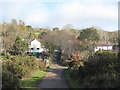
x: 102, y: 70
x: 19, y: 67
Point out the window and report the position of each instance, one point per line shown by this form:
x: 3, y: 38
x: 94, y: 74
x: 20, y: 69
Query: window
x: 37, y: 48
x: 32, y: 48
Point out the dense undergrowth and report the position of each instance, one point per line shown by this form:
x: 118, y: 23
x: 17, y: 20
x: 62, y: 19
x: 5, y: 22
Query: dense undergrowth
x: 17, y: 67
x: 101, y: 70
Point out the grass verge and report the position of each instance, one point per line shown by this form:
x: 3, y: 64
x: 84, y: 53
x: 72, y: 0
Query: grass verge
x: 33, y: 81
x: 71, y: 82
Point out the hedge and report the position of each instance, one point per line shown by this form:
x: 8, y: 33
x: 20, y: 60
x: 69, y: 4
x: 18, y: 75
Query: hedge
x: 19, y: 67
x: 102, y: 70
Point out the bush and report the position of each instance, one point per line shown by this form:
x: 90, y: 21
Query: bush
x: 6, y: 55
x: 101, y: 70
x: 42, y: 65
x: 74, y: 63
x: 18, y: 67
x: 9, y: 80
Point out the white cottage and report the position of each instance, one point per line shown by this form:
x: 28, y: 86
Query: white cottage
x: 35, y: 46
x: 104, y: 46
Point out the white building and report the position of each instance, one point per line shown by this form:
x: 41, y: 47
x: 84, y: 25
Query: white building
x: 104, y: 46
x: 35, y: 46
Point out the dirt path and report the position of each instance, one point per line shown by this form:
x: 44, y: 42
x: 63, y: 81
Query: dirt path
x: 54, y: 78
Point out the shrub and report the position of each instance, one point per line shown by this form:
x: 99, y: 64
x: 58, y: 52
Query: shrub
x: 74, y: 64
x: 18, y: 67
x: 6, y: 55
x: 9, y: 80
x: 42, y: 65
x: 101, y: 70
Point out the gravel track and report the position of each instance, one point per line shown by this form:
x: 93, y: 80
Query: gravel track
x: 54, y: 78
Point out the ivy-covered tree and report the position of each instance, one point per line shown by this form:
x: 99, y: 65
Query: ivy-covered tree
x: 42, y: 35
x: 88, y: 34
x: 20, y: 46
x: 30, y: 27
x: 88, y: 38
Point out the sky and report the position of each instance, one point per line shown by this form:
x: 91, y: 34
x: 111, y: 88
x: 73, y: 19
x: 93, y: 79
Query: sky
x: 57, y: 13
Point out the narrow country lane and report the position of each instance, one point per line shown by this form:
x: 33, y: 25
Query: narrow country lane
x: 54, y: 78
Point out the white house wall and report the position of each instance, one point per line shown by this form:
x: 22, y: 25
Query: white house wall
x: 110, y: 48
x: 103, y: 48
x: 35, y: 44
x: 35, y: 50
x: 97, y: 48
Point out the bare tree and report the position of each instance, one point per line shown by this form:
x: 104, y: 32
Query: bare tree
x: 68, y: 27
x: 67, y: 42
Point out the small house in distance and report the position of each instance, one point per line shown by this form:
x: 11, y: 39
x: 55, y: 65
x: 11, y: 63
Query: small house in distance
x: 36, y: 49
x: 35, y: 46
x: 104, y: 46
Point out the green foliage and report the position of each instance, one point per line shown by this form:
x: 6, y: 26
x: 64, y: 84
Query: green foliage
x: 71, y: 81
x: 51, y: 47
x: 89, y: 34
x: 31, y: 35
x: 42, y: 35
x: 20, y: 67
x: 101, y: 70
x: 75, y: 63
x: 42, y: 66
x: 33, y: 81
x: 9, y: 80
x: 28, y: 26
x: 6, y: 55
x: 20, y: 46
x: 88, y: 38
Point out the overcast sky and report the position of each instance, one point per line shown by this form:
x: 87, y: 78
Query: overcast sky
x: 57, y: 13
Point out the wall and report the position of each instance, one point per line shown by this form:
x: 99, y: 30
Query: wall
x: 103, y: 48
